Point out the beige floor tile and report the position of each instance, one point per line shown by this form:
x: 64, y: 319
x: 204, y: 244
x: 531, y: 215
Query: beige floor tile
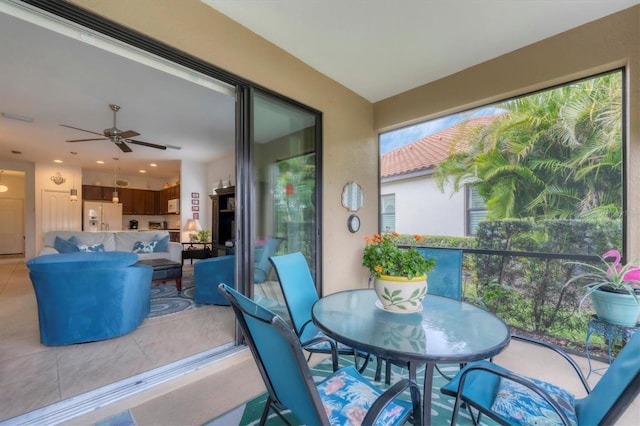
x: 34, y: 366
x: 27, y: 395
x: 90, y: 374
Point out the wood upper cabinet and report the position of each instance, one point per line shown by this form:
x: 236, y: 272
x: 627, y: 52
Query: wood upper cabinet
x: 149, y: 201
x: 134, y: 201
x: 95, y: 193
x: 126, y: 198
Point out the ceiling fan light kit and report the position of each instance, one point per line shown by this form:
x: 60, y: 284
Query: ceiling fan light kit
x: 115, y: 135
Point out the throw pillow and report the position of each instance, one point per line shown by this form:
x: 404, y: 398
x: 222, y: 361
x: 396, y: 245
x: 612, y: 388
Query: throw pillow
x: 163, y: 244
x: 144, y: 247
x: 93, y: 248
x: 521, y: 405
x: 64, y: 246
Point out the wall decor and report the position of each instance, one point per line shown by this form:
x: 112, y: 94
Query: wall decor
x: 195, y: 208
x: 195, y: 202
x: 196, y: 215
x: 195, y: 195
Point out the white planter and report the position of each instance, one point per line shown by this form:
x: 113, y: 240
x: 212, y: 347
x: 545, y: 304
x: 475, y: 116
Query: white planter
x: 399, y: 294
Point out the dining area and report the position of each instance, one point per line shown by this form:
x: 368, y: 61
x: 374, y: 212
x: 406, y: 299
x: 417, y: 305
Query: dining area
x: 423, y: 335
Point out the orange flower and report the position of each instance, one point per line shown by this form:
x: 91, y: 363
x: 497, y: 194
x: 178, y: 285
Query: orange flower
x: 395, y: 234
x: 368, y: 240
x: 378, y: 269
x: 418, y: 237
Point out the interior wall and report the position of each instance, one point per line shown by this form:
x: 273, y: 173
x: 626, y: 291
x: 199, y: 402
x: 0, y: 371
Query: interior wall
x: 350, y: 150
x: 602, y: 45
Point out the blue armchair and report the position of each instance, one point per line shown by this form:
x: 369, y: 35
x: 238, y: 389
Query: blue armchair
x: 208, y: 273
x: 89, y: 296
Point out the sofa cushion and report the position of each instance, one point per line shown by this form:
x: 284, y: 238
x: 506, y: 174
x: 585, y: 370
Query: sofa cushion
x: 163, y: 243
x: 146, y: 247
x: 126, y: 240
x: 65, y: 246
x: 83, y: 238
x: 82, y: 261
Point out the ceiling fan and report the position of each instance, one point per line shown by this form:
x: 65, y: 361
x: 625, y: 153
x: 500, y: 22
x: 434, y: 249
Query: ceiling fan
x: 117, y: 136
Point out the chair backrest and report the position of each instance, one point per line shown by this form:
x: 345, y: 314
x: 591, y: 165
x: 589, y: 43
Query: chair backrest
x: 262, y: 264
x: 615, y: 391
x: 446, y: 278
x: 298, y: 290
x: 278, y: 354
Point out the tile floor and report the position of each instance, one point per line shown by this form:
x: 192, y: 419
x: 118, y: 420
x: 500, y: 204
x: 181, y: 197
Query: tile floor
x: 33, y: 375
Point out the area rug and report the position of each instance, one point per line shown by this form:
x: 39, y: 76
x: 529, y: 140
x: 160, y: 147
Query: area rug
x: 167, y: 300
x: 442, y: 406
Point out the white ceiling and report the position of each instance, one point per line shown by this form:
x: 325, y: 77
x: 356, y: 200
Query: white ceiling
x: 377, y: 48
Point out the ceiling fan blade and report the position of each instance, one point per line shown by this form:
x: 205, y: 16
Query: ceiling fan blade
x: 82, y: 130
x: 123, y: 146
x: 85, y: 140
x: 173, y: 146
x: 150, y: 145
x: 129, y: 134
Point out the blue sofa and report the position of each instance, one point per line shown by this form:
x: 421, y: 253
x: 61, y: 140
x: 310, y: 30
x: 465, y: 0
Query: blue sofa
x: 208, y: 273
x: 89, y: 296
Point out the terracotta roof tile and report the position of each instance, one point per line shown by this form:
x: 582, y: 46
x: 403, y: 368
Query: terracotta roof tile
x: 429, y: 151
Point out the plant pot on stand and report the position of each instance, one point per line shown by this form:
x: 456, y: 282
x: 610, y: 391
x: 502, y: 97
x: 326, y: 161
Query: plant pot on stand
x: 615, y: 307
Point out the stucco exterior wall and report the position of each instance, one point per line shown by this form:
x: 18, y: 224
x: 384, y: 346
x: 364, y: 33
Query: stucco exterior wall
x: 599, y: 46
x: 421, y: 208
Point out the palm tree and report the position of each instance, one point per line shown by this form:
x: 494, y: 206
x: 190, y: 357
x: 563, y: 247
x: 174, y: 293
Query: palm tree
x: 553, y: 154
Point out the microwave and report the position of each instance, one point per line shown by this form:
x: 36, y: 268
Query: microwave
x: 174, y: 206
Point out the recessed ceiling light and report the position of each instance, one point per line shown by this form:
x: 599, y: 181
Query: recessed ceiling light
x: 142, y: 171
x: 153, y: 165
x: 16, y: 152
x: 100, y: 162
x: 17, y: 117
x: 57, y: 161
x: 73, y: 153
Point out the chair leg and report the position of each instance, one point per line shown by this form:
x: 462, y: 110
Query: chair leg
x: 265, y: 413
x: 387, y: 372
x: 379, y: 362
x: 365, y: 362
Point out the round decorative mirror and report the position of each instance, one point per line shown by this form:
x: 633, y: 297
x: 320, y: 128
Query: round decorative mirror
x: 352, y: 197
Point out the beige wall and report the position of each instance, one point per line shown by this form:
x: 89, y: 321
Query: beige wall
x: 350, y: 144
x: 598, y: 46
x: 350, y: 122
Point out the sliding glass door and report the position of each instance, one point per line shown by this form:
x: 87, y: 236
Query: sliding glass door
x: 284, y: 166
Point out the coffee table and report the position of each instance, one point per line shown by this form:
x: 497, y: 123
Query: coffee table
x: 165, y: 270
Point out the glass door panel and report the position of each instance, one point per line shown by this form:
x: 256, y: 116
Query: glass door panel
x: 285, y: 141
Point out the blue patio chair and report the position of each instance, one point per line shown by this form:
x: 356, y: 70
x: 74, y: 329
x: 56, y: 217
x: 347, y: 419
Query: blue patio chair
x: 510, y: 398
x: 300, y: 294
x: 287, y: 377
x: 445, y: 279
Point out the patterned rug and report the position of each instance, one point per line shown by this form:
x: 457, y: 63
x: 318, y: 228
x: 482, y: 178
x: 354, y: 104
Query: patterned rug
x: 441, y: 410
x: 166, y: 300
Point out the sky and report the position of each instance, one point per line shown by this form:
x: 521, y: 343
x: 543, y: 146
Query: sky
x: 397, y: 138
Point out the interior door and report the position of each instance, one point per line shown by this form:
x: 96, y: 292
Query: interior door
x: 11, y: 226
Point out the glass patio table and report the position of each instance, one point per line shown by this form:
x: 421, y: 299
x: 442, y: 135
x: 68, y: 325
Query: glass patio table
x: 445, y: 331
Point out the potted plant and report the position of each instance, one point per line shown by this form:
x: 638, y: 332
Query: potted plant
x: 613, y: 289
x: 204, y: 236
x: 400, y: 274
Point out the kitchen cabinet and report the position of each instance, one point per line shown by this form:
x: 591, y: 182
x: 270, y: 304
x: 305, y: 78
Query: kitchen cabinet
x: 134, y: 201
x: 223, y: 216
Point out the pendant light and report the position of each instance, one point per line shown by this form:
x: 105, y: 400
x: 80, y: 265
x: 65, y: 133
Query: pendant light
x: 115, y: 199
x: 3, y: 188
x: 73, y: 194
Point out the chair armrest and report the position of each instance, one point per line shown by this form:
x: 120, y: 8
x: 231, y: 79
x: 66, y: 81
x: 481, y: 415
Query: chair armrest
x: 493, y: 369
x: 389, y: 395
x: 560, y: 352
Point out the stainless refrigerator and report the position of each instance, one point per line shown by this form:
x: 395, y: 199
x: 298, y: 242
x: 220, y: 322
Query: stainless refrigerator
x: 99, y: 216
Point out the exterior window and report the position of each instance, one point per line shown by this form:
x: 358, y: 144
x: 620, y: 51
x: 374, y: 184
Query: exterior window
x: 388, y: 209
x: 476, y: 210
